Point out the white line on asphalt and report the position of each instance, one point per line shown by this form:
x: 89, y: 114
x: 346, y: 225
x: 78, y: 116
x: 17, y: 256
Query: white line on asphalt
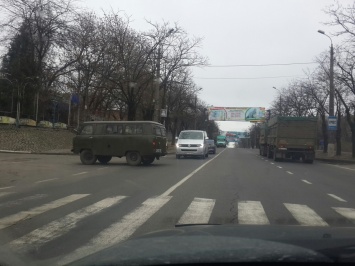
x: 101, y: 168
x: 272, y: 163
x: 199, y: 211
x: 6, y: 187
x: 307, y: 182
x: 46, y: 180
x: 12, y: 219
x: 279, y: 167
x: 2, y: 194
x: 251, y: 212
x: 289, y: 172
x: 81, y: 173
x: 171, y: 189
x: 336, y: 197
x: 20, y: 201
x: 55, y: 229
x: 118, y: 231
x: 347, y: 168
x: 348, y: 213
x: 266, y: 160
x: 305, y: 215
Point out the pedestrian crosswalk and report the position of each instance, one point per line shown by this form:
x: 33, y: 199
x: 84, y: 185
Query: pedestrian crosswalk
x: 197, y: 211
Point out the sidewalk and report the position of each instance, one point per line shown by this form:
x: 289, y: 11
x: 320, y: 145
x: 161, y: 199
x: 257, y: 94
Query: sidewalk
x: 345, y: 157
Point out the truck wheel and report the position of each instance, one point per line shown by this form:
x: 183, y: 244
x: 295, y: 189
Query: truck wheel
x: 133, y: 158
x: 104, y: 159
x: 87, y: 157
x: 148, y: 160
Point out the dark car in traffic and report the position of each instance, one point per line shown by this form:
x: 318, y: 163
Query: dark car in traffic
x: 211, y: 146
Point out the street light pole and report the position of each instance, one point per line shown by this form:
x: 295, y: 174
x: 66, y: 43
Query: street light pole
x: 331, y: 142
x: 280, y: 103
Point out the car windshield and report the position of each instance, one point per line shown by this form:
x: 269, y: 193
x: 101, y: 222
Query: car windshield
x: 191, y: 135
x: 150, y: 132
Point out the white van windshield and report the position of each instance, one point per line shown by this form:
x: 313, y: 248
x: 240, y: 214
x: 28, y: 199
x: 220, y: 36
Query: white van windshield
x: 191, y: 135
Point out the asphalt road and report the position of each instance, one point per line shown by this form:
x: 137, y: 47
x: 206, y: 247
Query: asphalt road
x: 53, y: 207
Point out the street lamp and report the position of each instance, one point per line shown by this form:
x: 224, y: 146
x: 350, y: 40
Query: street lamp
x: 331, y: 94
x: 280, y: 106
x: 157, y: 79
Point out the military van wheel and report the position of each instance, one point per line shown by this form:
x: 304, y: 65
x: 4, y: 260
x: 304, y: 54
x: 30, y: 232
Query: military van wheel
x: 87, y: 157
x: 133, y: 158
x: 104, y: 159
x: 148, y: 160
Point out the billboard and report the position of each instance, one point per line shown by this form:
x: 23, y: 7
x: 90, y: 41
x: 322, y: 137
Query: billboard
x: 251, y: 114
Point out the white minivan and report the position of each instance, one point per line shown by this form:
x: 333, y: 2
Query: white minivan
x: 192, y: 143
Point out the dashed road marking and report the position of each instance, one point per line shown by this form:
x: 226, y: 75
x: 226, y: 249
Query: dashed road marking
x: 46, y: 180
x: 272, y: 163
x: 307, y: 182
x: 81, y: 173
x: 289, y: 172
x: 279, y: 167
x: 337, y: 198
x: 1, y: 188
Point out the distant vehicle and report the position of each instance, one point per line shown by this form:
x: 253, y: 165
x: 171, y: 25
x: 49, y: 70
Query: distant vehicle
x: 192, y: 143
x: 231, y: 144
x: 289, y: 138
x: 211, y: 146
x: 221, y: 141
x: 139, y: 141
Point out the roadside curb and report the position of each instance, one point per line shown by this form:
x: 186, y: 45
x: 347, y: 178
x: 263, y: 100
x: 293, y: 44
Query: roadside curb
x: 38, y: 153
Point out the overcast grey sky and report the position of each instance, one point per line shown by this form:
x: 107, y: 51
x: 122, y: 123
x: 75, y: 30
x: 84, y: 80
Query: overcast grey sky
x: 240, y: 32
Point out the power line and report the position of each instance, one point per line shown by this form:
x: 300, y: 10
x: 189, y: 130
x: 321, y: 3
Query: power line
x: 253, y: 78
x: 264, y: 65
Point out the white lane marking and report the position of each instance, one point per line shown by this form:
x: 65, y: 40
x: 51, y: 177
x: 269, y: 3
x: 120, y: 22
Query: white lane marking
x: 251, y: 212
x: 272, y: 163
x: 307, y: 182
x: 348, y: 213
x: 266, y: 160
x: 199, y: 211
x: 171, y: 189
x: 12, y: 219
x: 289, y: 172
x: 20, y: 201
x: 61, y: 226
x: 101, y: 168
x: 6, y: 187
x: 118, y: 231
x: 2, y: 194
x: 46, y: 180
x: 305, y: 215
x: 279, y: 167
x: 337, y: 198
x: 347, y: 168
x: 81, y: 173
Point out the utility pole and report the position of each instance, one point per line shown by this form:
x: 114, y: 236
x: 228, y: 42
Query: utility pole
x: 331, y: 133
x: 157, y: 88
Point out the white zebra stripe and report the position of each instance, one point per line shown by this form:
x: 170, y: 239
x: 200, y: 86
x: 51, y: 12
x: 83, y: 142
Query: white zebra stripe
x: 348, y: 213
x: 251, y: 212
x: 305, y: 215
x: 199, y: 211
x: 61, y: 226
x: 15, y: 218
x: 118, y: 231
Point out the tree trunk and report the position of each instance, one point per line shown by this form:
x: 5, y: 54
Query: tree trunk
x: 353, y: 139
x: 131, y: 116
x: 325, y: 133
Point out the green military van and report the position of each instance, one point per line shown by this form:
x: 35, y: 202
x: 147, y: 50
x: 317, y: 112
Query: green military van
x: 139, y: 141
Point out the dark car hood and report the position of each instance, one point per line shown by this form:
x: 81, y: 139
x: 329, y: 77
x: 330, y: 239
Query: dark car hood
x: 231, y: 243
